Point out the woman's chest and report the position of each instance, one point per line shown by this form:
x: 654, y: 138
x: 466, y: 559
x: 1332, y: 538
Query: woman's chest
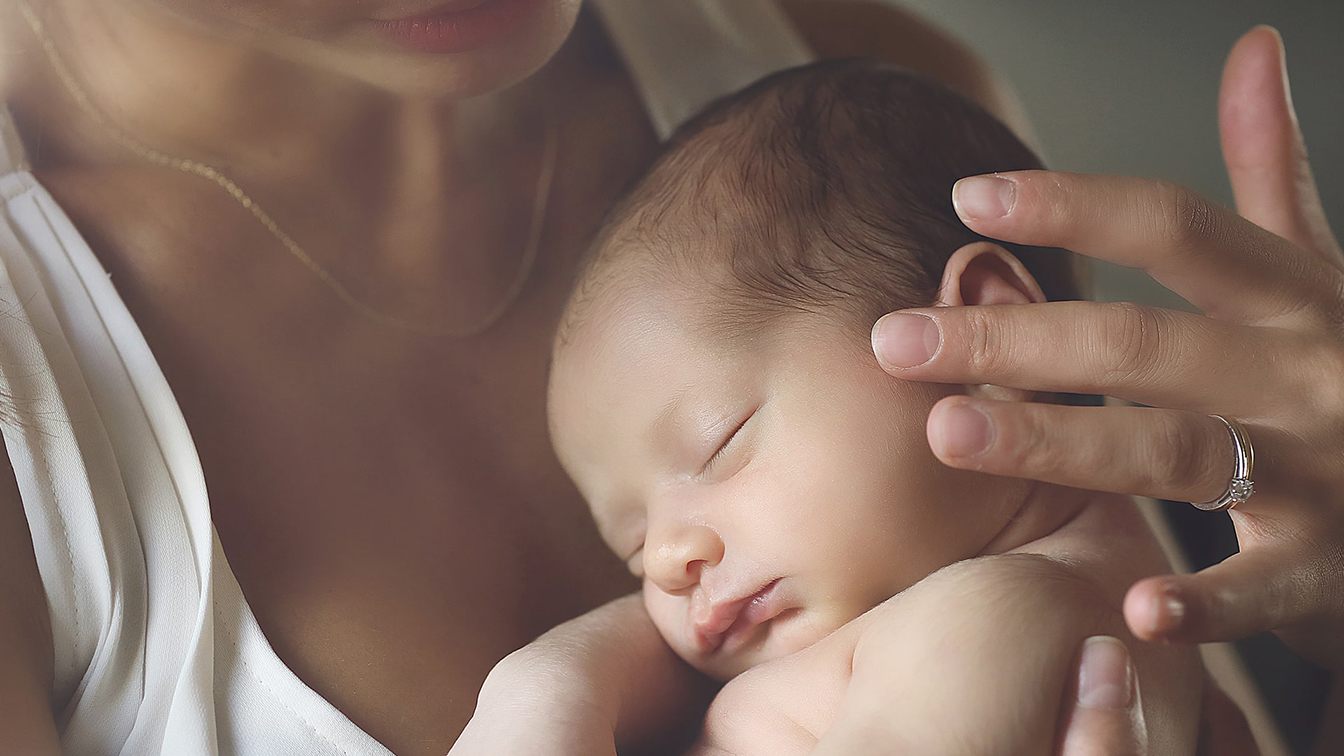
x: 393, y: 545
x: 390, y: 505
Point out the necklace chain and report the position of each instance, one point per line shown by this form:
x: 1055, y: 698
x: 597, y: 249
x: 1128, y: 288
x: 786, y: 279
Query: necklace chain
x: 124, y: 139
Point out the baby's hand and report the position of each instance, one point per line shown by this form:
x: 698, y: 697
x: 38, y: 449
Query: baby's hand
x: 531, y: 705
x: 778, y: 708
x: 740, y: 722
x: 601, y: 678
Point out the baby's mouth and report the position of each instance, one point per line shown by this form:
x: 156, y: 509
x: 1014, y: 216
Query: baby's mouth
x: 727, y: 625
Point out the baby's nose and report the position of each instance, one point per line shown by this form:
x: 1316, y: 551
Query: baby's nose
x: 674, y: 557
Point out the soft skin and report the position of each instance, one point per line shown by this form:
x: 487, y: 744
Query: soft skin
x: 638, y: 417
x: 340, y: 38
x: 721, y: 464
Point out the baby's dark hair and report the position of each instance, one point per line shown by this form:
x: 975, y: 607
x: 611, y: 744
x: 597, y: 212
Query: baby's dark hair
x: 828, y: 184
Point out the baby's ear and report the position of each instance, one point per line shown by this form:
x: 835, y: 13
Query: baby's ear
x: 983, y: 273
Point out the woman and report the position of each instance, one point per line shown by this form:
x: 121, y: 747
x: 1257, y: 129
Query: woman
x: 353, y: 316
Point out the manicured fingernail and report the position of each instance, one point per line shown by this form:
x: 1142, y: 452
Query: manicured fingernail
x: 1105, y: 677
x: 961, y: 430
x: 984, y: 197
x: 905, y: 340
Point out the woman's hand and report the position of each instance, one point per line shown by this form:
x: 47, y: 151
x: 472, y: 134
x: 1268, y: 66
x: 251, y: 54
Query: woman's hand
x: 598, y: 680
x: 1268, y: 351
x: 1103, y: 716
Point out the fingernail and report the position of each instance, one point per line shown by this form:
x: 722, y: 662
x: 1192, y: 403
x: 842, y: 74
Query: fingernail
x: 961, y: 431
x: 905, y: 340
x: 984, y: 197
x: 1105, y: 677
x: 1168, y: 612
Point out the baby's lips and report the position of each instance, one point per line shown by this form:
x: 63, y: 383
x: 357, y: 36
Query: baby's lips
x: 711, y: 628
x: 709, y: 625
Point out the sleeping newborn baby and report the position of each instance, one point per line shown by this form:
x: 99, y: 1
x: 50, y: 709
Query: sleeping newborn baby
x: 715, y: 399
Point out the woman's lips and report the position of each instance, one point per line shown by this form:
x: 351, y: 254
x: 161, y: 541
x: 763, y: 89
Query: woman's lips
x: 459, y: 27
x: 730, y: 624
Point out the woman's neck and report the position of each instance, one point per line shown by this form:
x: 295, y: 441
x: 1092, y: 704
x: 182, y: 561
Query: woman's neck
x: 241, y: 103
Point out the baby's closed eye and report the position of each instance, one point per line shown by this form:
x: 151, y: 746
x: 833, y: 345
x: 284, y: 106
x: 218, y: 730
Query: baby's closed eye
x: 715, y: 467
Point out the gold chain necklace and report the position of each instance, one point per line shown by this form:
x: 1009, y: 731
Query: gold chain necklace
x: 540, y: 203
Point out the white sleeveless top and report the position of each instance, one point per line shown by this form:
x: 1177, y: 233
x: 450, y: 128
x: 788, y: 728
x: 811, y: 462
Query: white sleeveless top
x: 156, y: 650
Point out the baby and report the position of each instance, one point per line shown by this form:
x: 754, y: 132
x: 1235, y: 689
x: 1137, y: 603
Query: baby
x: 715, y: 399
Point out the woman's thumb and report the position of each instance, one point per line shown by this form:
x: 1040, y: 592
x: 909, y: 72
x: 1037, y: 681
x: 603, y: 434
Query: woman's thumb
x: 1263, y: 147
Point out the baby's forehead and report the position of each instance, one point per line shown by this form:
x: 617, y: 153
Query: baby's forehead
x: 620, y: 304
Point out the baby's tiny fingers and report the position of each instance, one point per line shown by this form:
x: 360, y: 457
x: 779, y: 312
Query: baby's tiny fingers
x: 1166, y: 454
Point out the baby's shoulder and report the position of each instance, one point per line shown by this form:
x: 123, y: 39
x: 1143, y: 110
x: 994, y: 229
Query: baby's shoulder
x: 1062, y: 586
x: 1019, y: 619
x: 980, y: 598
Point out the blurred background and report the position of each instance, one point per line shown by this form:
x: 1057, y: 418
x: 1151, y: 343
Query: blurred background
x: 1132, y: 87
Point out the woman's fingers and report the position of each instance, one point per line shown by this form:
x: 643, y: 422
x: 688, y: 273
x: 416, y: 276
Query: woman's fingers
x: 1263, y: 147
x: 1290, y: 585
x: 1105, y: 718
x: 1225, y: 265
x: 1142, y: 354
x: 1105, y: 715
x: 1246, y: 594
x: 1165, y: 454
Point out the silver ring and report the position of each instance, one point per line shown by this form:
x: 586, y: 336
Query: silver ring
x: 1240, y: 488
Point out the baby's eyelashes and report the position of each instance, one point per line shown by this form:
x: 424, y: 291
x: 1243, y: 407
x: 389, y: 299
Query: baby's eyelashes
x: 725, y: 447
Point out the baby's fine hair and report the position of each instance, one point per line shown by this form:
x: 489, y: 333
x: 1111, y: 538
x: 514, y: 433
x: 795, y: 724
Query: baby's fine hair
x: 828, y: 184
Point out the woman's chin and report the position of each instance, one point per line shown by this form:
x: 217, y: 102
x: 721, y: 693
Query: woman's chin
x: 370, y: 59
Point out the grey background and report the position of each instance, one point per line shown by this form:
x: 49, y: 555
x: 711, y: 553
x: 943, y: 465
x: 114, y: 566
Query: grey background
x: 1131, y: 86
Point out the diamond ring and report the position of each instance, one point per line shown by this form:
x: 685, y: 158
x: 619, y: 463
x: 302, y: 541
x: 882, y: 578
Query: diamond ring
x: 1240, y: 488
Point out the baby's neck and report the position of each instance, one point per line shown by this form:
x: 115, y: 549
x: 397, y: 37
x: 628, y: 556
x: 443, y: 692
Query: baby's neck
x: 1045, y: 510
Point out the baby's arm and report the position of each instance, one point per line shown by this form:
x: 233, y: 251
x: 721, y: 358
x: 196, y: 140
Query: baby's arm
x: 600, y: 679
x: 976, y: 659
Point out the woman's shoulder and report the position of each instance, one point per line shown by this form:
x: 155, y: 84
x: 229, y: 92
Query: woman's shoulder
x: 885, y: 31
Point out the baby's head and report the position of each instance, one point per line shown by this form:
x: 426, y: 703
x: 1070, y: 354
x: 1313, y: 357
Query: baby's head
x: 714, y: 395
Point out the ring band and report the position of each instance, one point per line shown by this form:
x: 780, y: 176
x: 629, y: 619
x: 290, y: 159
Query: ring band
x: 1240, y: 488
